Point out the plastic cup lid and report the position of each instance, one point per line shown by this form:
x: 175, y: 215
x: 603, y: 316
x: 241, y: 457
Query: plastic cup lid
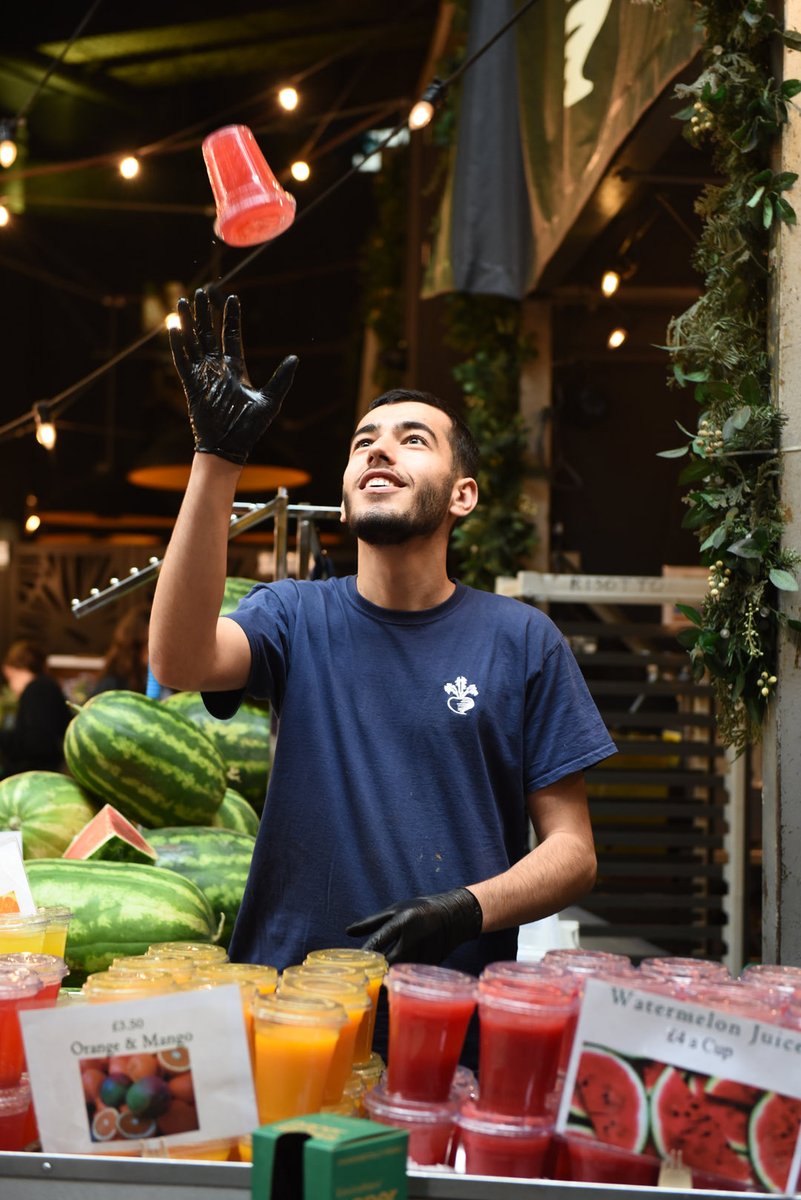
x: 18, y: 983
x: 393, y: 1107
x: 478, y: 1120
x: 439, y: 983
x: 299, y: 1010
x: 15, y: 1099
x: 370, y: 961
x: 22, y: 922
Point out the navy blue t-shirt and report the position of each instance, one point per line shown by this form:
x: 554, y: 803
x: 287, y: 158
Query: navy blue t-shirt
x: 407, y: 744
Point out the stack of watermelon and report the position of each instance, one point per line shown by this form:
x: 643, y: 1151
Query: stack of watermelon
x: 167, y: 855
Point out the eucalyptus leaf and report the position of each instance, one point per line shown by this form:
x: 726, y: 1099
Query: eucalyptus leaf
x: 715, y: 539
x: 796, y: 625
x: 783, y: 580
x: 755, y: 199
x: 767, y: 212
x: 677, y: 453
x: 745, y: 548
x: 792, y: 38
x: 738, y: 420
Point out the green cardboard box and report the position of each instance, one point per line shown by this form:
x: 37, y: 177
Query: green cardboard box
x: 321, y: 1157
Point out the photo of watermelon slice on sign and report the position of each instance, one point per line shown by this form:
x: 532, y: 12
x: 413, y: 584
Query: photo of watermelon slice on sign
x: 727, y: 1133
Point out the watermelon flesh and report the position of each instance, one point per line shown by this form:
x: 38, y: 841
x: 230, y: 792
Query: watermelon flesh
x: 685, y: 1120
x: 610, y: 1093
x: 110, y: 837
x: 772, y: 1136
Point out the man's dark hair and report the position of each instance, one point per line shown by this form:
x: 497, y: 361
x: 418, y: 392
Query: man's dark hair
x: 463, y: 445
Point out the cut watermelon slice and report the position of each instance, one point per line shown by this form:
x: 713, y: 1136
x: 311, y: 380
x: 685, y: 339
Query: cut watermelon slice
x: 110, y: 836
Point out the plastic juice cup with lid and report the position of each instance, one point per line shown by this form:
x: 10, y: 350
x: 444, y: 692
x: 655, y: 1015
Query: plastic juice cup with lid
x: 15, y: 1105
x: 295, y: 1042
x: 500, y: 1144
x: 523, y: 1026
x: 685, y: 970
x: 356, y: 1003
x: 374, y: 966
x: 58, y: 918
x: 104, y: 986
x: 429, y: 1011
x: 50, y: 968
x: 263, y: 977
x: 430, y: 1124
x: 198, y: 951
x: 20, y: 932
x: 585, y: 1160
x: 248, y: 993
x: 19, y: 988
x: 179, y: 969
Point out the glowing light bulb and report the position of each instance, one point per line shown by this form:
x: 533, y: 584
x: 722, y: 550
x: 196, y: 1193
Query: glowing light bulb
x: 129, y: 167
x: 616, y: 338
x: 300, y: 170
x: 421, y: 114
x: 172, y: 321
x: 5, y: 215
x: 46, y: 435
x: 288, y: 98
x: 8, y: 152
x: 32, y: 522
x: 610, y: 282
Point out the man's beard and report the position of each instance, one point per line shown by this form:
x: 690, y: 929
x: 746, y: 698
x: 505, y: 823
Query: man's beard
x: 377, y: 527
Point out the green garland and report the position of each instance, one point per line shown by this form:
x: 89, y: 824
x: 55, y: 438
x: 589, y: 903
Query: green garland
x: 720, y: 346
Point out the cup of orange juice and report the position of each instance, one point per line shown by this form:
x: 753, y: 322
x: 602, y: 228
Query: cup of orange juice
x: 103, y: 986
x: 356, y: 1003
x: 295, y: 1040
x: 263, y: 977
x: 58, y: 919
x: 198, y: 951
x: 20, y: 932
x: 374, y: 966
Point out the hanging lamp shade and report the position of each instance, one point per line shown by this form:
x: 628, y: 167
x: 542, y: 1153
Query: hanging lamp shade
x: 166, y: 465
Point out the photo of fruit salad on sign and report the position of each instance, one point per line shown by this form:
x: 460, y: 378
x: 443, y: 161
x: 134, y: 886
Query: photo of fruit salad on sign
x: 723, y: 1130
x: 133, y: 1096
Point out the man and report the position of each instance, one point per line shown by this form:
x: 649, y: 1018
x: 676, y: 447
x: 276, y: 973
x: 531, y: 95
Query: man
x: 35, y: 739
x: 421, y: 723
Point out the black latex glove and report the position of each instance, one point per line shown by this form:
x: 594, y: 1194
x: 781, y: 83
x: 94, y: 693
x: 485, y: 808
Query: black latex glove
x: 425, y: 929
x: 227, y: 415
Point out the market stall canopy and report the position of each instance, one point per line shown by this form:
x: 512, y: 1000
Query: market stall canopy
x: 534, y: 141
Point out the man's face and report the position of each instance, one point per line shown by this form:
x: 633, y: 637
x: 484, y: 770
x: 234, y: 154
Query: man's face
x: 398, y: 483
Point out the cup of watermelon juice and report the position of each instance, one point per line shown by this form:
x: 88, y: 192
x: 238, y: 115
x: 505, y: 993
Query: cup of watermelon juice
x: 430, y: 1124
x: 19, y: 988
x: 356, y: 1003
x: 20, y: 932
x: 15, y: 1105
x: 50, y: 968
x: 58, y: 919
x: 523, y: 1025
x: 685, y: 970
x: 374, y: 966
x: 582, y: 1159
x: 295, y: 1040
x: 499, y: 1144
x: 429, y: 1011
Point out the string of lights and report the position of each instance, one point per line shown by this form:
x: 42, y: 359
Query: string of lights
x: 415, y: 119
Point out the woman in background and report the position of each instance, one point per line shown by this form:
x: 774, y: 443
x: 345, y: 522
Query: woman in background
x: 35, y: 740
x: 125, y: 667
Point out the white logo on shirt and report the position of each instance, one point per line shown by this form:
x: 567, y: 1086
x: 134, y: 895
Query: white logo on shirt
x: 459, y: 696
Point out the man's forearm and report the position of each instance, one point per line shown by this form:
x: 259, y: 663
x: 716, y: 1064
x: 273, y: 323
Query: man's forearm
x: 189, y: 591
x: 557, y: 873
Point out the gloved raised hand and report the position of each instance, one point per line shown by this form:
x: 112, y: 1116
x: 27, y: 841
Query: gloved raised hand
x: 227, y: 415
x: 425, y: 929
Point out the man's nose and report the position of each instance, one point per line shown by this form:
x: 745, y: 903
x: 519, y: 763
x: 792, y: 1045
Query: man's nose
x: 379, y: 451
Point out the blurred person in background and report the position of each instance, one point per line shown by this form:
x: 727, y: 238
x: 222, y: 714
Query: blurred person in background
x: 35, y: 739
x: 125, y: 666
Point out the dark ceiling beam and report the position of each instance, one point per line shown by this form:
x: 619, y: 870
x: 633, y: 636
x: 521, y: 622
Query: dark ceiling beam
x: 22, y: 72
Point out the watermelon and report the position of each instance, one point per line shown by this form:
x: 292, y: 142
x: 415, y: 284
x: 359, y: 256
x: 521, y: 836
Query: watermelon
x: 611, y: 1094
x: 772, y: 1135
x: 47, y: 807
x: 120, y: 909
x: 236, y: 813
x: 110, y: 837
x: 217, y: 860
x: 148, y: 760
x: 243, y: 741
x: 235, y: 588
x: 688, y: 1120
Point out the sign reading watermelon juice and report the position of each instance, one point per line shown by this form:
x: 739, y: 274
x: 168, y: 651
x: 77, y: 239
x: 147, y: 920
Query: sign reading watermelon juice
x: 120, y: 1077
x: 656, y: 1075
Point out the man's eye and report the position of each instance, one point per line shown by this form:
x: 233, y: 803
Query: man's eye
x: 361, y: 442
x: 416, y: 437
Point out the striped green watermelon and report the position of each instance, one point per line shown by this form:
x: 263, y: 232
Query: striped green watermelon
x: 120, y: 908
x: 243, y: 742
x: 147, y: 759
x: 217, y: 860
x: 235, y: 588
x: 47, y: 807
x: 235, y: 813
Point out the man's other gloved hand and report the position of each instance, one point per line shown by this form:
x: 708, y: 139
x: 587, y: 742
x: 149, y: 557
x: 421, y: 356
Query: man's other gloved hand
x: 425, y: 930
x: 227, y: 415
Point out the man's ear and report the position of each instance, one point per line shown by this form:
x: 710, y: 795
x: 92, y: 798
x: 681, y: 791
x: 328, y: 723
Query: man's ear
x: 342, y: 512
x: 464, y: 497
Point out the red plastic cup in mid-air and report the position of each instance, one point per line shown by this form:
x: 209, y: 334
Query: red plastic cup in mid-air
x: 252, y: 207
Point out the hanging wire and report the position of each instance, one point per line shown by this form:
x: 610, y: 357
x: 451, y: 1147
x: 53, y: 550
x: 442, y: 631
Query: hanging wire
x: 76, y: 33
x: 62, y: 400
